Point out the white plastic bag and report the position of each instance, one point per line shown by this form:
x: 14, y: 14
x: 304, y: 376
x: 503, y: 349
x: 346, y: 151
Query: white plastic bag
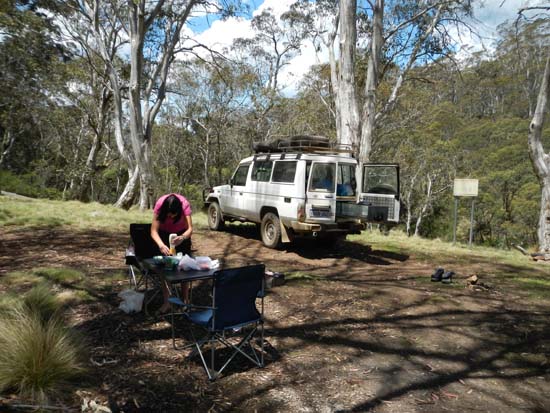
x: 198, y: 263
x: 187, y: 263
x: 132, y: 301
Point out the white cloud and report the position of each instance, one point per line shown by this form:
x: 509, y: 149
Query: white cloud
x: 222, y: 33
x: 277, y: 6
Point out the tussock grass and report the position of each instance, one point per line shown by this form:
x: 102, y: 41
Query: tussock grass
x: 40, y: 355
x: 34, y: 277
x: 20, y: 279
x: 59, y: 275
x: 40, y: 302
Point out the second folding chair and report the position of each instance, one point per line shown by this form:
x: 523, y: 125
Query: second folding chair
x: 233, y: 310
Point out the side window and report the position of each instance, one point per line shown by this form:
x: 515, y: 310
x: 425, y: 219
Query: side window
x: 239, y: 178
x: 346, y: 183
x: 261, y: 171
x: 284, y: 171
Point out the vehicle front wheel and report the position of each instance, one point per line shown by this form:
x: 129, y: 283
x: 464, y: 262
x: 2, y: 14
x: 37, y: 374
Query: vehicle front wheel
x: 271, y: 230
x: 215, y: 218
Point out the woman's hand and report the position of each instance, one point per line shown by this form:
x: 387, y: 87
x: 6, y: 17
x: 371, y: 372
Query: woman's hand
x: 164, y: 250
x: 179, y: 239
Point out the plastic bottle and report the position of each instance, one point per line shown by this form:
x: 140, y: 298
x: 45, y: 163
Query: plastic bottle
x: 171, y: 241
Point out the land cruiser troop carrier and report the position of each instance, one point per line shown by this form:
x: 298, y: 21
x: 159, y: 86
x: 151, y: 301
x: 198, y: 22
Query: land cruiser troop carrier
x: 306, y: 187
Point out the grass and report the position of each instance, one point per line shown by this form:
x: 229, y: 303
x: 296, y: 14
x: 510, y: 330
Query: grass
x: 48, y: 213
x: 426, y: 249
x: 534, y: 286
x: 47, y: 284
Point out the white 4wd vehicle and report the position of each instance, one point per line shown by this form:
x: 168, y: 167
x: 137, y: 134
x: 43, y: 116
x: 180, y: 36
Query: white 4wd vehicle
x: 306, y: 187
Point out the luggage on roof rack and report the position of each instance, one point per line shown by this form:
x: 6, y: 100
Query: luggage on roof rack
x: 302, y: 143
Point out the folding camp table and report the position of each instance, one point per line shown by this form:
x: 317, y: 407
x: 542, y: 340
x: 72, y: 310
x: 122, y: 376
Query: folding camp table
x: 157, y: 274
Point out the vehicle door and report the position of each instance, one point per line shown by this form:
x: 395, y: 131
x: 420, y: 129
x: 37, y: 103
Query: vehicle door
x: 379, y: 190
x: 233, y: 198
x: 258, y: 189
x: 321, y: 192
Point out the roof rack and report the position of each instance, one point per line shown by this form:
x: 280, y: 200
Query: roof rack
x: 303, y: 143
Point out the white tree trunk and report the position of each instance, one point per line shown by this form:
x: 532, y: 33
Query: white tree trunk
x: 126, y: 199
x: 371, y: 84
x: 347, y: 93
x: 427, y: 203
x: 541, y: 160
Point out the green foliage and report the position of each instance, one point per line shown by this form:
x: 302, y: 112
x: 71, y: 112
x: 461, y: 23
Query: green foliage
x: 29, y: 184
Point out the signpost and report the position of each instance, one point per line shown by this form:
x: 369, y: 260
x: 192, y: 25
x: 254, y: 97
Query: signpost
x: 465, y: 188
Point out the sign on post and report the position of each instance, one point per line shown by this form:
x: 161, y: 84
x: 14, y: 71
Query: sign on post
x: 465, y: 188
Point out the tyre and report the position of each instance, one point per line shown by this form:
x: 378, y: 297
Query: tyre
x: 271, y: 230
x: 215, y: 218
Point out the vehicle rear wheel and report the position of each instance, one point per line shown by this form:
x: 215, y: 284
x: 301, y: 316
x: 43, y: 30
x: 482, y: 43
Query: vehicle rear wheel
x: 271, y: 230
x: 215, y: 218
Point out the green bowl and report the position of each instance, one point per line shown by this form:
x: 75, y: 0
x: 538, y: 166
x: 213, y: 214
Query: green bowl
x: 171, y: 262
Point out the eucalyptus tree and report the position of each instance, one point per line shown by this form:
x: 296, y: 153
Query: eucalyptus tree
x: 153, y: 32
x: 31, y: 75
x: 521, y: 48
x: 211, y: 100
x: 541, y: 159
x: 392, y: 34
x: 275, y: 42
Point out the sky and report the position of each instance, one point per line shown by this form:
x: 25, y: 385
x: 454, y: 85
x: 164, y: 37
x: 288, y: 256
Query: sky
x: 218, y: 34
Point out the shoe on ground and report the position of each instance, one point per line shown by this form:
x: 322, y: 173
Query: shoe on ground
x: 447, y: 277
x: 437, y: 275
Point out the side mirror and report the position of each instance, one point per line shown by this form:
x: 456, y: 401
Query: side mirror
x: 231, y: 182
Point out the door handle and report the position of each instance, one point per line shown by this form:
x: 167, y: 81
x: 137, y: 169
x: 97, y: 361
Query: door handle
x: 240, y: 193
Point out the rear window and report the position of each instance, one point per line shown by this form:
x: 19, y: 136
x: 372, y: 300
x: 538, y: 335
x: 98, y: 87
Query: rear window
x: 262, y: 171
x: 284, y: 171
x: 322, y: 177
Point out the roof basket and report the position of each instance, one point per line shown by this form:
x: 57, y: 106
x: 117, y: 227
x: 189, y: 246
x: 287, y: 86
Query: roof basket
x: 303, y: 143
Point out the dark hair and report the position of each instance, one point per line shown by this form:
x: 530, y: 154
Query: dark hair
x: 171, y: 205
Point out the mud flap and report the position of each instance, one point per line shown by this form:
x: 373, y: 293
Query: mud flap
x: 284, y: 234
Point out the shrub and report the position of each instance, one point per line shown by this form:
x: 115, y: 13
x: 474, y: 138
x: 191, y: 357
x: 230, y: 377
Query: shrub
x: 39, y: 353
x: 28, y: 185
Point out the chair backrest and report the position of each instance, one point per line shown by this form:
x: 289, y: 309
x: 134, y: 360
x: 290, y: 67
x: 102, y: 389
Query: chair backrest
x: 144, y: 245
x: 236, y: 290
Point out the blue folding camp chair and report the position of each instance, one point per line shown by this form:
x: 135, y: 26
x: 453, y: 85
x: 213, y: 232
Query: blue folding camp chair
x: 234, y: 295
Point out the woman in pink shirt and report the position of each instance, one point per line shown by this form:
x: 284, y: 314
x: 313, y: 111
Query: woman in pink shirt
x: 172, y: 214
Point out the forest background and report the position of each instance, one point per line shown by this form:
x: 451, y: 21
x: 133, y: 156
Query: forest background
x: 455, y: 118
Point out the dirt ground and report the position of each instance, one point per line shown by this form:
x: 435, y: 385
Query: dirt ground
x: 357, y: 329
